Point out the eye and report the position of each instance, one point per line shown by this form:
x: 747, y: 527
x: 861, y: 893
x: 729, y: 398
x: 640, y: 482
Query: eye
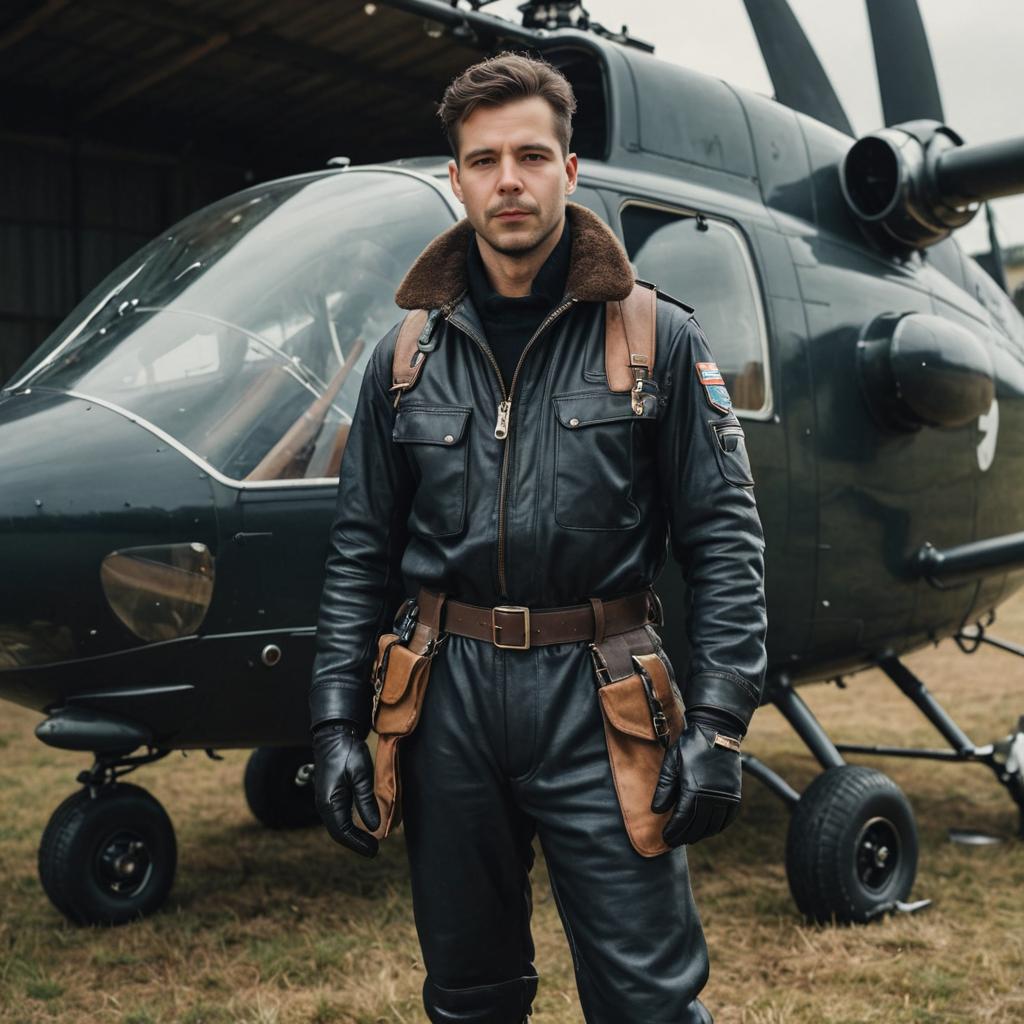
x: 538, y: 156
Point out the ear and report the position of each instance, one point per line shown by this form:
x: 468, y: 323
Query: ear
x: 453, y: 177
x: 571, y: 172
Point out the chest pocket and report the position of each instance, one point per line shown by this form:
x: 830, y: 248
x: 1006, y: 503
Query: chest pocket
x: 596, y: 435
x: 437, y: 445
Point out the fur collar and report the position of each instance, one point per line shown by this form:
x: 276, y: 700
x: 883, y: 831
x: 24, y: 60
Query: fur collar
x: 599, y: 270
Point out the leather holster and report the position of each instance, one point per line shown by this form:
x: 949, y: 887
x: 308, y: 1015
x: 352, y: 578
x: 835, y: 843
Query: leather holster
x: 643, y: 715
x: 400, y: 674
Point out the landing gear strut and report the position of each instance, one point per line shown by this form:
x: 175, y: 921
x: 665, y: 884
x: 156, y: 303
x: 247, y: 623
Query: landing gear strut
x: 108, y: 854
x: 851, y: 850
x: 1005, y: 758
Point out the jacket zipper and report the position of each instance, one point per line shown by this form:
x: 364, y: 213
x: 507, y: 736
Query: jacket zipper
x: 503, y: 422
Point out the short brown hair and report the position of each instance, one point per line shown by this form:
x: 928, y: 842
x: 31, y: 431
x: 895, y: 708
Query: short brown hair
x: 501, y: 79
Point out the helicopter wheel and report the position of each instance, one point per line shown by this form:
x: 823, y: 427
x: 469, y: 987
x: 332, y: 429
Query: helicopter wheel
x: 108, y: 858
x: 271, y: 791
x: 851, y: 850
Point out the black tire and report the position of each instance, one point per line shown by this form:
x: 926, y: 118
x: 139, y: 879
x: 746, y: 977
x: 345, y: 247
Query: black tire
x: 851, y: 850
x: 108, y: 859
x: 271, y: 791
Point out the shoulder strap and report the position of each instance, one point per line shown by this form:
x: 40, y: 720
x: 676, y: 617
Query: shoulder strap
x: 629, y: 339
x: 629, y: 343
x: 408, y: 359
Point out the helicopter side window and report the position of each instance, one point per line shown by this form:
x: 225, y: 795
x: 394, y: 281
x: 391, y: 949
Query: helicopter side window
x: 705, y: 262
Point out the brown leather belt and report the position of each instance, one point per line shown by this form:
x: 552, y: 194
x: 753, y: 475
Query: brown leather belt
x: 518, y: 628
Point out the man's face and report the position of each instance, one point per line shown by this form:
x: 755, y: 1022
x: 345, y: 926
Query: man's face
x: 510, y: 160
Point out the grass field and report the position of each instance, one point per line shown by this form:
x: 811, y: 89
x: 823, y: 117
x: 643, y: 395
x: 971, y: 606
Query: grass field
x: 278, y: 928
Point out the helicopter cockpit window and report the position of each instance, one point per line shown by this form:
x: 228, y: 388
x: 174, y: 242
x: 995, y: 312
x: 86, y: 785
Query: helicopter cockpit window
x: 705, y: 263
x: 244, y: 332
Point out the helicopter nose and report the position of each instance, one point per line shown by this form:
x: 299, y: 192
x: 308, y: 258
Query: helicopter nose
x: 83, y: 489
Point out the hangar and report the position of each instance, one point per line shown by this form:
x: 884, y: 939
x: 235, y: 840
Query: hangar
x: 121, y: 117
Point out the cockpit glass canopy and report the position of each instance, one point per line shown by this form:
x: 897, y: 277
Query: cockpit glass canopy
x: 244, y: 331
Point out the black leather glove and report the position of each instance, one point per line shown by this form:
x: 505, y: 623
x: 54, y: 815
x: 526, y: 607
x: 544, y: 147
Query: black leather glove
x: 343, y: 767
x: 702, y: 780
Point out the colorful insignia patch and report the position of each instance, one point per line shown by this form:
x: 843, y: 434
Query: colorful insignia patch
x: 708, y: 373
x: 713, y: 383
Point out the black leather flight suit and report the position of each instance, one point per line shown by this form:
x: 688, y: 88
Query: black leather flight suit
x: 575, y: 502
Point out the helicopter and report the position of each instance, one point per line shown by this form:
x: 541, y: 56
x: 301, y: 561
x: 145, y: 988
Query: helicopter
x: 170, y: 454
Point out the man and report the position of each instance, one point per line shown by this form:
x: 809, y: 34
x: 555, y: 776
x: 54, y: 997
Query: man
x: 511, y: 475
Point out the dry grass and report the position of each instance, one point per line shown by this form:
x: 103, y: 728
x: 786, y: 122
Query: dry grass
x: 275, y: 928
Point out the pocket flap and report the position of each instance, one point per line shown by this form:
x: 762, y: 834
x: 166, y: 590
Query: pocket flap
x: 430, y: 424
x: 402, y: 666
x: 587, y: 407
x: 625, y: 706
x: 730, y: 449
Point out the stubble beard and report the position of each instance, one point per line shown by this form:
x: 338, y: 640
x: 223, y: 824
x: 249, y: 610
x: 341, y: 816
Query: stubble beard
x: 520, y: 249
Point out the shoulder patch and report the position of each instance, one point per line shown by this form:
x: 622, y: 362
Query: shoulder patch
x: 715, y: 391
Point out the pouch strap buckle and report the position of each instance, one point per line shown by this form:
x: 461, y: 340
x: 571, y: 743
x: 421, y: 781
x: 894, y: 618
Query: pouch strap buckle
x: 600, y: 665
x: 655, y: 606
x: 434, y: 644
x: 658, y: 718
x: 378, y: 680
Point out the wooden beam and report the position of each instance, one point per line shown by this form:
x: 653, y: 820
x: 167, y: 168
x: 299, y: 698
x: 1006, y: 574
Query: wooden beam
x: 261, y: 44
x: 125, y: 90
x: 24, y: 28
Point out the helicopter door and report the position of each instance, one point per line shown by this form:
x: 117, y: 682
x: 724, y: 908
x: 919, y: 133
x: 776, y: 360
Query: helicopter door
x: 707, y: 263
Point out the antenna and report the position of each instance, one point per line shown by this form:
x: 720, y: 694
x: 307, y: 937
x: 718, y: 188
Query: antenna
x: 555, y: 14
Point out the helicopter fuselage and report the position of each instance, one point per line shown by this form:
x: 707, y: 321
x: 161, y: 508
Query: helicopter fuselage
x: 846, y: 499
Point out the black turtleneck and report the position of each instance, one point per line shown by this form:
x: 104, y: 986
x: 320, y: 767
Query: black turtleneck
x: 509, y: 323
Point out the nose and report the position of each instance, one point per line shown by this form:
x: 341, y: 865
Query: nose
x: 79, y: 482
x: 510, y: 182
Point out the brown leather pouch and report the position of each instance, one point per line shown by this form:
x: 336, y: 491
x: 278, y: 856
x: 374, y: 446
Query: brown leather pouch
x: 643, y: 714
x: 399, y: 675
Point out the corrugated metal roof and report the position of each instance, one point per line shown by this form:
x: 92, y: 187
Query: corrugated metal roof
x: 120, y: 116
x: 289, y: 83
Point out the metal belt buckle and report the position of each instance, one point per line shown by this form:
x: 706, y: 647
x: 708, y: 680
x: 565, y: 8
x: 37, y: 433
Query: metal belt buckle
x: 526, y: 626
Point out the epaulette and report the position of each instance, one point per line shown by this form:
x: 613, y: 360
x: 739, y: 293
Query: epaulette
x: 666, y: 295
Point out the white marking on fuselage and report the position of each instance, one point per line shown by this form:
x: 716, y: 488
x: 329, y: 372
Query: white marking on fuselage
x: 988, y: 424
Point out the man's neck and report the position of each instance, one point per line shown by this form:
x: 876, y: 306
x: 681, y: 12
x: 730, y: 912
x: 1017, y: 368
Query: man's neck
x: 512, y: 276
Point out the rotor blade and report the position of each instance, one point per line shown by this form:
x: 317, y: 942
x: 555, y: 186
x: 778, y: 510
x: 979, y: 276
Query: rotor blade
x: 799, y: 79
x: 906, y: 74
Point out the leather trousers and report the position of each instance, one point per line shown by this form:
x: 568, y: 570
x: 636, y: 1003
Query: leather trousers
x: 510, y: 745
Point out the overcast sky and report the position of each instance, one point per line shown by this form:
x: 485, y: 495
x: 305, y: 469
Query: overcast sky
x: 977, y: 46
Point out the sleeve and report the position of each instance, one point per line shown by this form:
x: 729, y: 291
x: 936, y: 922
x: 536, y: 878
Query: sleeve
x: 714, y: 528
x: 362, y: 584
